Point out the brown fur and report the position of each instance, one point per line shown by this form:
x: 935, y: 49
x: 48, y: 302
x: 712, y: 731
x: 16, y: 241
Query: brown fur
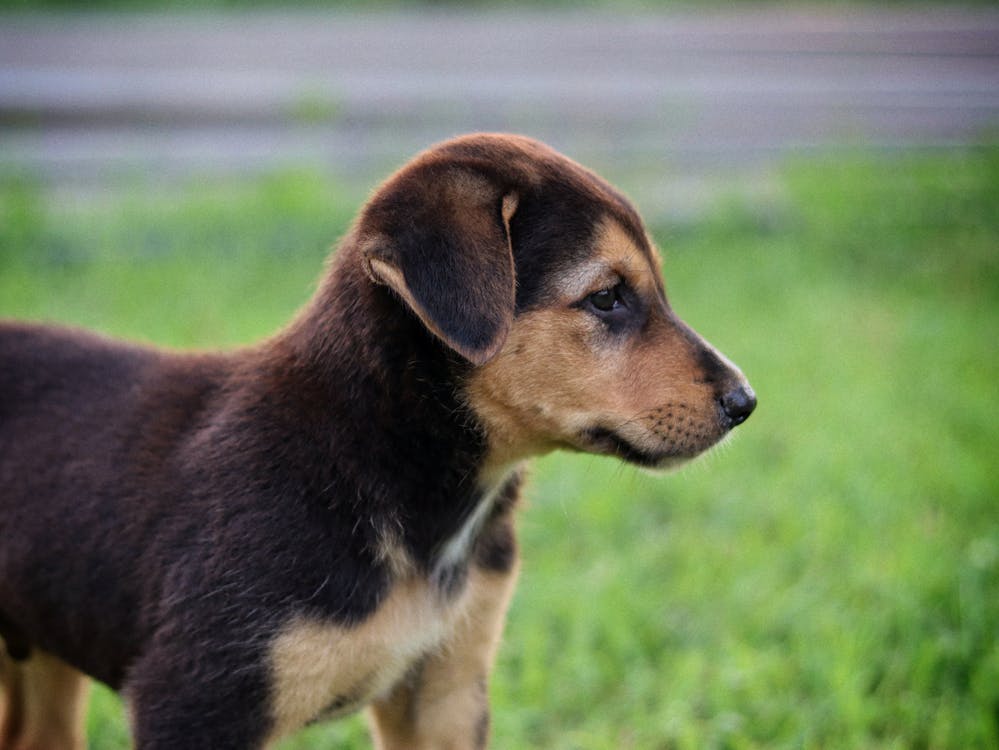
x: 558, y: 374
x: 443, y: 702
x: 44, y: 704
x: 245, y: 542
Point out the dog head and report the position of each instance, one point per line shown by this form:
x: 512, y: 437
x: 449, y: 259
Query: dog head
x: 543, y: 277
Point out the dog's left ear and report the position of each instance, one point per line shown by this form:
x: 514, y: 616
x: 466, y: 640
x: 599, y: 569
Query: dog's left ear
x: 441, y: 240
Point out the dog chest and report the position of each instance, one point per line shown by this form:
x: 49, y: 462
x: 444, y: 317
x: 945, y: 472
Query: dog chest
x: 320, y: 669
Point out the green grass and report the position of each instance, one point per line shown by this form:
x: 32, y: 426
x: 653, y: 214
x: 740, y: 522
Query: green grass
x: 828, y: 579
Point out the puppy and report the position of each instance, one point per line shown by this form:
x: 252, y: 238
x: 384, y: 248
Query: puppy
x: 250, y: 541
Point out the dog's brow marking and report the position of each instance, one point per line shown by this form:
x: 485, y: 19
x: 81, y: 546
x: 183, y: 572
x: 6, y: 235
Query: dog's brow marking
x: 586, y: 277
x: 617, y: 249
x: 617, y: 257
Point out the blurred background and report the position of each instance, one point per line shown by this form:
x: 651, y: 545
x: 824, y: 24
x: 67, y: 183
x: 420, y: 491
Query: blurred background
x: 675, y: 101
x: 823, y: 180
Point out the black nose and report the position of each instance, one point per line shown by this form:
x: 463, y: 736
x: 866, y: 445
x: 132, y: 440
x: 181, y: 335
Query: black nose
x: 738, y: 404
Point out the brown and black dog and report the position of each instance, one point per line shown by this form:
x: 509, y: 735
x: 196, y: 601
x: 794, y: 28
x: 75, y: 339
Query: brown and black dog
x: 246, y: 542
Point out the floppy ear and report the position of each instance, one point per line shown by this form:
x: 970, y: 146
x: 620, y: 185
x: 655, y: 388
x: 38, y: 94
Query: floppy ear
x: 441, y: 240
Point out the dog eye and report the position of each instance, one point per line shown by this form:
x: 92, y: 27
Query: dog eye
x: 606, y: 299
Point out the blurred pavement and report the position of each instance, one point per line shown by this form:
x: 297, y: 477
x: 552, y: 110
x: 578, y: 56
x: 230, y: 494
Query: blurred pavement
x: 674, y: 107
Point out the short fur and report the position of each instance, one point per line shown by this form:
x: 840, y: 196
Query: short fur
x: 244, y: 542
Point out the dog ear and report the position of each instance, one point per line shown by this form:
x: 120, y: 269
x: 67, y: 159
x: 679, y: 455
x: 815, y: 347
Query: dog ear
x: 441, y: 241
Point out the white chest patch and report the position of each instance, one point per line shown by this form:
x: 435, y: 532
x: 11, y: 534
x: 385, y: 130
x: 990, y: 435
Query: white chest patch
x: 455, y: 551
x: 320, y: 669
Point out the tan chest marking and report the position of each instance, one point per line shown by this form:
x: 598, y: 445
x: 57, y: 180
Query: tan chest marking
x: 317, y: 666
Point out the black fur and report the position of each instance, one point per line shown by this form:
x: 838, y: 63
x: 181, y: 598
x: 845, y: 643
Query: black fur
x: 163, y: 516
x: 204, y: 500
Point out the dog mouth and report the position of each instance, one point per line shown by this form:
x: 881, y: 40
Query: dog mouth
x: 606, y: 441
x: 671, y: 449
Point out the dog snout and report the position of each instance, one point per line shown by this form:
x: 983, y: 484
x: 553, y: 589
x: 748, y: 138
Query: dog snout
x: 738, y: 403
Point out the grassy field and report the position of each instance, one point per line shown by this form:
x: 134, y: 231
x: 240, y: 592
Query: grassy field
x: 829, y: 579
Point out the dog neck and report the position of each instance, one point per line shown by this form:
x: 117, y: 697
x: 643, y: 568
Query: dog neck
x: 389, y: 397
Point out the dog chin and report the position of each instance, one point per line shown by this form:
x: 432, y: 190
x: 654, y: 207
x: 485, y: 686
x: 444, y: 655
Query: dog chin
x: 667, y: 464
x: 609, y: 443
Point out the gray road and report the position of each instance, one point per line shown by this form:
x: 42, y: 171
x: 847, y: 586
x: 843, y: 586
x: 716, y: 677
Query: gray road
x: 670, y: 103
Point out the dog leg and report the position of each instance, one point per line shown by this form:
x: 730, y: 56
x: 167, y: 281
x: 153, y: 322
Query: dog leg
x: 43, y: 704
x: 443, y: 703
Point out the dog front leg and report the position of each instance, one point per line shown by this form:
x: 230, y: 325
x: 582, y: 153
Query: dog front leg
x: 43, y: 703
x: 443, y: 703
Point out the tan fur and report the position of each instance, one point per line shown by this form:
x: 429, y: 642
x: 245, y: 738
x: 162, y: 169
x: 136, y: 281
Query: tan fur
x: 616, y: 249
x: 443, y: 703
x: 559, y: 372
x: 317, y: 665
x: 43, y: 704
x: 392, y: 552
